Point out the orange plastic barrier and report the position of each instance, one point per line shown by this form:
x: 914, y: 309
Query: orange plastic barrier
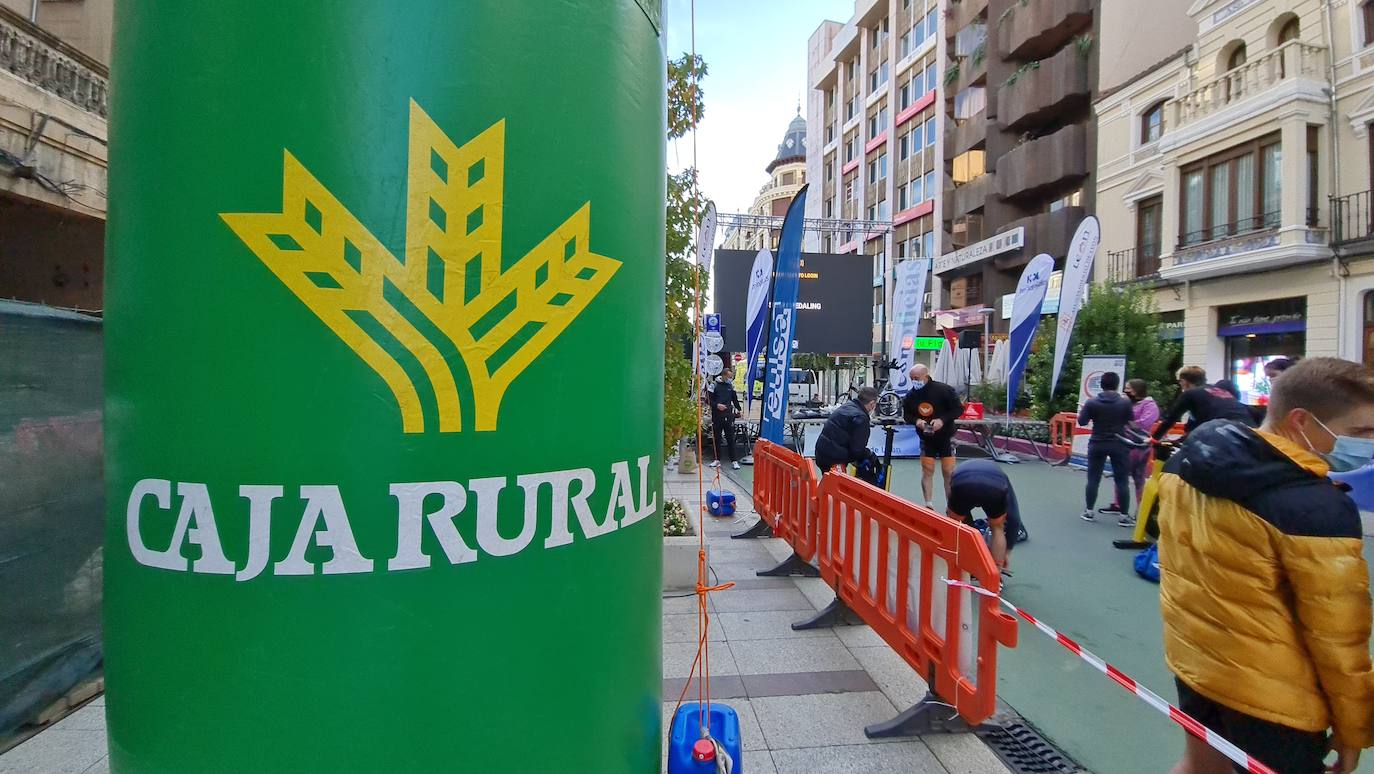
x: 784, y: 495
x: 886, y: 558
x: 1062, y: 426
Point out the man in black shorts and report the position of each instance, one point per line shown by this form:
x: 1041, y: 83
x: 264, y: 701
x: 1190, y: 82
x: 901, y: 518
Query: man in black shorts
x: 933, y: 408
x: 982, y: 484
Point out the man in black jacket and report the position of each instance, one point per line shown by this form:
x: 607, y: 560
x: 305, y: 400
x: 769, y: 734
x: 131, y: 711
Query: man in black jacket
x: 933, y: 408
x: 844, y: 439
x: 1109, y: 413
x: 1202, y: 402
x: 724, y: 408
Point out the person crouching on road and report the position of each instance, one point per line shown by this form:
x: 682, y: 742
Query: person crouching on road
x: 983, y: 484
x: 844, y: 438
x: 724, y: 408
x: 933, y: 408
x: 1263, y: 589
x: 1109, y: 414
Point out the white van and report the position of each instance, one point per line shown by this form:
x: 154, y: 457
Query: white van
x: 803, y: 388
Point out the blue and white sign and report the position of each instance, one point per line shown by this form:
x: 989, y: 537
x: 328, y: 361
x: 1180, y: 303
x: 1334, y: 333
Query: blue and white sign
x: 712, y: 323
x: 782, y: 320
x: 1025, y: 318
x: 756, y: 315
x: 908, y: 296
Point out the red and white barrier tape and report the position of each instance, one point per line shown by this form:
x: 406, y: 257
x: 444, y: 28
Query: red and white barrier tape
x: 1212, y: 738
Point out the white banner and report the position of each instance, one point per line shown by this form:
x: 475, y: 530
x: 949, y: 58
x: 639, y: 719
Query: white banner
x: 755, y: 315
x: 1078, y: 270
x: 1090, y: 384
x: 908, y: 295
x: 706, y: 236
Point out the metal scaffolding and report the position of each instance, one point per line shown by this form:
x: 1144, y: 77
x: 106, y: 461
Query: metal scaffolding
x: 813, y: 225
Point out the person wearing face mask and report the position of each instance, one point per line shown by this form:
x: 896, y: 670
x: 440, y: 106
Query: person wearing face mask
x: 933, y: 408
x: 844, y: 438
x: 1144, y: 415
x: 1264, y: 591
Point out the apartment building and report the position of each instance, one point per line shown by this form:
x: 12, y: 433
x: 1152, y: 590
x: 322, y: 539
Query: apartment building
x: 1019, y: 151
x: 54, y: 96
x: 874, y: 151
x: 1218, y: 167
x: 786, y: 176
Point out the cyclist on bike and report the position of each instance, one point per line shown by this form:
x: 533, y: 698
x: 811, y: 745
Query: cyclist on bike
x: 1202, y: 402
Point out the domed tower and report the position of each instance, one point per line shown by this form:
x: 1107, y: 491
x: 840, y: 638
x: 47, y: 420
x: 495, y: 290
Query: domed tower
x: 787, y: 174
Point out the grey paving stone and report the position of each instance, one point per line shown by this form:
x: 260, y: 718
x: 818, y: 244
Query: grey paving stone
x: 964, y: 754
x: 778, y: 548
x: 100, y: 767
x: 820, y: 720
x: 815, y: 590
x: 56, y: 752
x: 737, y: 571
x: 894, y: 676
x: 722, y: 687
x: 809, y: 654
x: 766, y: 625
x: 677, y: 604
x: 896, y: 758
x: 682, y: 627
x: 749, y: 600
x: 88, y: 718
x: 678, y: 657
x: 859, y: 637
x: 805, y: 683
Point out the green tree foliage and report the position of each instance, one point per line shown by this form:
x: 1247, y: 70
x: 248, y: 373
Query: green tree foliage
x: 1113, y: 321
x: 684, y: 205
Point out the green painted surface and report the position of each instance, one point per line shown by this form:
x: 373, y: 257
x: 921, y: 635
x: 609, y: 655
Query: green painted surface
x: 1069, y: 575
x: 544, y: 660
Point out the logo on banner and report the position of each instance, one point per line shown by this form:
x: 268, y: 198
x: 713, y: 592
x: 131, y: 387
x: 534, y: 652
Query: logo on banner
x: 451, y: 290
x: 778, y: 367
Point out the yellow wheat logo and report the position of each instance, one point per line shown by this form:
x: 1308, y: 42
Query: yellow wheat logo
x: 450, y: 282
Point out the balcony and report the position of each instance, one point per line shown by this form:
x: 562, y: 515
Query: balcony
x: 1294, y: 63
x: 1036, y: 30
x: 1133, y: 265
x: 958, y: 15
x: 1260, y: 243
x: 963, y: 134
x: 1047, y: 161
x: 968, y: 197
x: 1048, y: 232
x: 1352, y: 223
x: 52, y: 65
x: 1042, y: 90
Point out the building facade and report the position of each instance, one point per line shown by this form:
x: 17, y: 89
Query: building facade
x: 53, y: 103
x: 786, y: 176
x: 875, y: 122
x: 1219, y: 165
x: 1019, y: 151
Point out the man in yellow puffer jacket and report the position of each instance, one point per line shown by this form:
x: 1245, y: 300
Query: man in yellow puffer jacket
x: 1264, y: 591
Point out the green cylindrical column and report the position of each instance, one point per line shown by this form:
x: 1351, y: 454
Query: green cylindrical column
x: 384, y: 347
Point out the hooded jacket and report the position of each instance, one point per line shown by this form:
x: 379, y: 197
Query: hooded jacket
x: 844, y: 438
x: 1263, y: 590
x: 1109, y: 412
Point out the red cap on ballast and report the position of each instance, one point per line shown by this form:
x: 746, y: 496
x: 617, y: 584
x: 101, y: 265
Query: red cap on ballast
x: 703, y: 750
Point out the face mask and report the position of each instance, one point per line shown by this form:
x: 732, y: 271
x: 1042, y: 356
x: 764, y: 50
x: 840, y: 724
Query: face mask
x: 918, y: 385
x: 1134, y: 398
x: 1349, y: 453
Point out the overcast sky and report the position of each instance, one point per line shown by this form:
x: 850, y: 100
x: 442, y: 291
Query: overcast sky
x: 755, y: 51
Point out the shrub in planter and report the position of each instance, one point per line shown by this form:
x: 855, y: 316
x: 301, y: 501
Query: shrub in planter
x: 675, y: 522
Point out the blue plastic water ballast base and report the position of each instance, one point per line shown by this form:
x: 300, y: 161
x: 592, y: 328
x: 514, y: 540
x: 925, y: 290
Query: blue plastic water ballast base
x: 686, y: 730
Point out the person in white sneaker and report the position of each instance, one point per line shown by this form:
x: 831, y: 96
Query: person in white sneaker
x: 724, y: 408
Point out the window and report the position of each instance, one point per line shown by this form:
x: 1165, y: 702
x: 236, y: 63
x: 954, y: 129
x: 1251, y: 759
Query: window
x: 902, y: 201
x: 930, y: 132
x: 932, y: 22
x: 1289, y: 31
x: 929, y: 179
x: 1232, y: 193
x: 1149, y: 219
x: 918, y: 191
x: 928, y: 243
x: 917, y: 137
x: 903, y: 147
x: 850, y: 146
x: 830, y: 209
x: 1312, y: 175
x: 1152, y: 123
x: 904, y: 46
x: 970, y: 102
x: 931, y: 79
x: 829, y: 172
x: 968, y: 166
x: 872, y: 212
x: 849, y: 109
x: 877, y: 168
x: 916, y: 247
x: 1367, y: 15
x: 1236, y: 58
x: 884, y: 210
x: 919, y: 33
x: 1074, y: 199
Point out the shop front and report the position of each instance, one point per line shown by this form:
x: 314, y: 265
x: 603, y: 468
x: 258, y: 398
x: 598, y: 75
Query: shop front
x: 1256, y: 334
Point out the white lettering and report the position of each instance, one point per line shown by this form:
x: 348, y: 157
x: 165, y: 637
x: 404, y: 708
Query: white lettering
x: 160, y: 488
x: 489, y: 538
x: 411, y: 517
x: 324, y: 502
x: 560, y: 486
x: 195, y: 504
x: 259, y: 528
x: 648, y: 504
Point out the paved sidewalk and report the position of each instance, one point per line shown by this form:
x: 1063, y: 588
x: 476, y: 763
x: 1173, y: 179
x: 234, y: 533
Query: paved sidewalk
x: 73, y: 745
x: 803, y: 697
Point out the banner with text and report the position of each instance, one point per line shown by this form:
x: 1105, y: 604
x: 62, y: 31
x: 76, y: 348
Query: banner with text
x: 907, y: 299
x: 760, y: 279
x: 786, y: 278
x: 706, y: 236
x: 1025, y: 318
x: 1078, y: 269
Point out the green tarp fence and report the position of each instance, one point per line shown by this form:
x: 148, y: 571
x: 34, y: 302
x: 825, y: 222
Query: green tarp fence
x: 52, y: 506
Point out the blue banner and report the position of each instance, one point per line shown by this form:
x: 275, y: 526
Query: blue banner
x: 1025, y: 318
x: 756, y: 313
x: 782, y: 320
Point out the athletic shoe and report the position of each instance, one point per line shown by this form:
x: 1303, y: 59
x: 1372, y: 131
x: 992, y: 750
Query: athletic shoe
x: 735, y: 465
x: 1087, y: 515
x: 1111, y: 510
x: 1126, y: 521
x: 714, y: 464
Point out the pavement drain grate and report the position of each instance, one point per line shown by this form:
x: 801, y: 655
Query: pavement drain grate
x: 1024, y: 750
